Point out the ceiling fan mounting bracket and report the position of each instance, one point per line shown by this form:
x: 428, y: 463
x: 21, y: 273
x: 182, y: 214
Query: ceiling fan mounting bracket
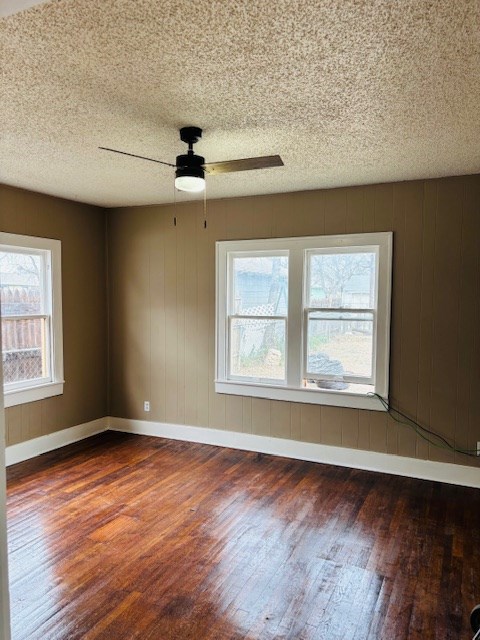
x: 190, y: 135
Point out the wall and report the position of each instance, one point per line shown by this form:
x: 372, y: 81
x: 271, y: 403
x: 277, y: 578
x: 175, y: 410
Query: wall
x: 162, y: 312
x: 81, y: 228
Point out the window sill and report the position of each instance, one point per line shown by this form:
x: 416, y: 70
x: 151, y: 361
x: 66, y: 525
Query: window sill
x: 32, y: 394
x: 293, y: 394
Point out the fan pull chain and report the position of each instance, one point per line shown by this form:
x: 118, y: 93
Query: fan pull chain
x: 205, y: 206
x: 174, y: 205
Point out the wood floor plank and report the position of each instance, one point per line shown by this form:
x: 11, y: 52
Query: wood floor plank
x: 121, y: 537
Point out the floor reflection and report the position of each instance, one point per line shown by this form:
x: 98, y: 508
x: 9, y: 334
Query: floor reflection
x: 298, y: 566
x: 136, y: 537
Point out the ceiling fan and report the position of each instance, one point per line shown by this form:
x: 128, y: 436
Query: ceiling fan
x: 190, y: 169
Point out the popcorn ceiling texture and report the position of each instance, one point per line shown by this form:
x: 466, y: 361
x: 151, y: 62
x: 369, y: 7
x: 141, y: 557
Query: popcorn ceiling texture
x: 346, y: 91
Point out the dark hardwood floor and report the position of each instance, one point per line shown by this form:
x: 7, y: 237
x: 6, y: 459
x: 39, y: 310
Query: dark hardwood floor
x: 125, y: 537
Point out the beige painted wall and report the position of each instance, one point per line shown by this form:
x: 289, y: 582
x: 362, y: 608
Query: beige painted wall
x: 162, y: 312
x: 81, y: 228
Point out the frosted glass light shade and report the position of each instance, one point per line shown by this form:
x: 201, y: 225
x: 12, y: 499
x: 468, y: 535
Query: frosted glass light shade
x: 190, y: 183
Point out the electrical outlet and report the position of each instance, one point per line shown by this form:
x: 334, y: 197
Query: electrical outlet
x: 146, y: 405
x: 478, y: 448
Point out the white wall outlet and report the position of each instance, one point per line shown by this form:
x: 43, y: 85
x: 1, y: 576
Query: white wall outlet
x: 146, y: 405
x: 478, y: 448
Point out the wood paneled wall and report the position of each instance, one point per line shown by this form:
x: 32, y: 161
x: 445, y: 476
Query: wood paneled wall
x: 161, y: 299
x: 162, y: 312
x: 81, y: 228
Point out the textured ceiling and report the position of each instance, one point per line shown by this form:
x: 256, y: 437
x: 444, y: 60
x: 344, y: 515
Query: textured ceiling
x: 346, y: 91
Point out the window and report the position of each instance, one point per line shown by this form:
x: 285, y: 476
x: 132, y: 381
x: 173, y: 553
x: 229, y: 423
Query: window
x: 257, y: 316
x: 305, y: 319
x: 31, y: 313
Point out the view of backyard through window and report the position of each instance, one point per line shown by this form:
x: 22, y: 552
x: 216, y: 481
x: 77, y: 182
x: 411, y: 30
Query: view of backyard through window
x: 24, y: 330
x: 338, y: 318
x: 258, y: 325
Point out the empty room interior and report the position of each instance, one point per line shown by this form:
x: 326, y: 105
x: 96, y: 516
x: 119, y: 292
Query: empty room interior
x: 240, y: 311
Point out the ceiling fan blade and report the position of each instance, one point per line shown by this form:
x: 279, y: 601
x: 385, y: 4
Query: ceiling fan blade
x: 263, y: 162
x: 133, y: 155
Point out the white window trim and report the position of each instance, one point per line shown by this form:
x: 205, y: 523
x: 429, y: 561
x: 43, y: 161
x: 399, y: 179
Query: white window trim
x: 290, y: 391
x: 31, y: 390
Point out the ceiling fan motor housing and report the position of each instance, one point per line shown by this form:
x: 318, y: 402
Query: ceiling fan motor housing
x: 189, y: 164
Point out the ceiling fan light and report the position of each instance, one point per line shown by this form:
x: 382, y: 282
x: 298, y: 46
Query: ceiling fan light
x: 193, y: 184
x: 189, y: 174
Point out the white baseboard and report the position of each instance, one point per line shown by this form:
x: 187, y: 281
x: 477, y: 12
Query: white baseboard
x: 340, y: 456
x: 31, y: 448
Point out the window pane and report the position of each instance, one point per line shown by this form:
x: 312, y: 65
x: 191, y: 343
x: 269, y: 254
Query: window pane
x: 23, y: 345
x: 20, y: 282
x: 257, y: 348
x: 342, y: 280
x: 340, y: 344
x: 260, y: 286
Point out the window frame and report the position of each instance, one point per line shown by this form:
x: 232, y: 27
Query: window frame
x: 298, y: 249
x: 24, y: 391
